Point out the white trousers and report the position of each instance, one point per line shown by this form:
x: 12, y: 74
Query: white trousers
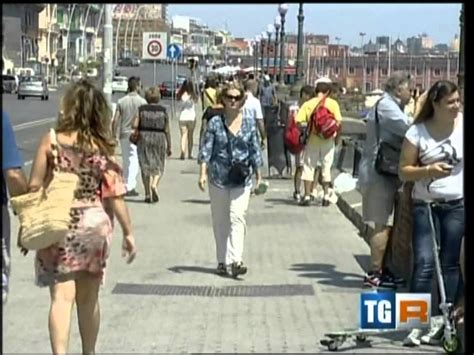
x: 129, y: 163
x: 228, y: 209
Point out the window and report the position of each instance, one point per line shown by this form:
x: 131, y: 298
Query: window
x: 368, y: 70
x: 437, y: 72
x: 419, y: 71
x: 384, y: 71
x: 336, y: 70
x: 351, y: 71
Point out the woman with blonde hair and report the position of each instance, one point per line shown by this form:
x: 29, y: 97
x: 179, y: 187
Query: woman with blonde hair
x: 187, y: 118
x: 154, y: 142
x: 230, y: 154
x: 74, y: 268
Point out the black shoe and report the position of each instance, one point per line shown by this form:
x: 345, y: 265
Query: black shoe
x: 154, y: 195
x: 221, y: 270
x: 296, y: 196
x: 238, y: 268
x: 376, y: 279
x: 147, y: 200
x: 182, y: 157
x: 132, y: 193
x: 326, y: 201
x: 306, y: 201
x: 397, y: 280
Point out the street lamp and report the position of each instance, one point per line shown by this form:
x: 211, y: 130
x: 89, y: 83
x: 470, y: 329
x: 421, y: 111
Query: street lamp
x: 362, y: 35
x: 117, y: 32
x: 299, y: 51
x: 48, y: 44
x: 67, y: 38
x: 269, y: 33
x: 257, y: 51
x: 262, y: 50
x: 84, y: 32
x: 282, y: 10
x: 97, y: 29
x: 133, y: 27
x: 277, y: 25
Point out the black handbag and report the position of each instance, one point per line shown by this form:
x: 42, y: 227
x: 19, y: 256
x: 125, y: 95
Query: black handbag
x: 239, y: 170
x: 388, y: 157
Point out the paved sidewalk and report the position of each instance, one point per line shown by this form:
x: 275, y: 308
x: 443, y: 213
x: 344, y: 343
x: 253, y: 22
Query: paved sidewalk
x: 316, y: 253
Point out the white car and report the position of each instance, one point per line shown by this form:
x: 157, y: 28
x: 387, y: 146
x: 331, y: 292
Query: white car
x: 119, y: 84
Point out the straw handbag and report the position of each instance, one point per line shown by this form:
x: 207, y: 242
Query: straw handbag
x: 45, y: 215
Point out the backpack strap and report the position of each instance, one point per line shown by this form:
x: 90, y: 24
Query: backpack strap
x: 54, y: 149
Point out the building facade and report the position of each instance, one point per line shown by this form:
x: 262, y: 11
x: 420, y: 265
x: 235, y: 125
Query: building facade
x: 20, y: 33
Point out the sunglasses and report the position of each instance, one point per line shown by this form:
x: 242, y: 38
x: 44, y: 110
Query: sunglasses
x: 234, y: 97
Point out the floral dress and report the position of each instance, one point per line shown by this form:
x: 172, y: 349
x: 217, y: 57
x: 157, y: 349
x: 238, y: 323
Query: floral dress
x: 86, y: 246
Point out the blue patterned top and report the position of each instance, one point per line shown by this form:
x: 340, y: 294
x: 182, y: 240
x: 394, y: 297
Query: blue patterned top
x: 214, y: 150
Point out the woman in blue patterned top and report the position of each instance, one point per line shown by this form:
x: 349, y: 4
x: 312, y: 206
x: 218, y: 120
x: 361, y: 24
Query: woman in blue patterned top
x: 230, y: 153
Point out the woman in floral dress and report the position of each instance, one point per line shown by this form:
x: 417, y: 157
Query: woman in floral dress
x: 74, y: 268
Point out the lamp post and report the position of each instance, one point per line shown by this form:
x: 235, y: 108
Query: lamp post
x: 84, y: 32
x: 277, y: 25
x: 117, y: 33
x: 269, y: 33
x: 262, y: 51
x: 282, y: 9
x: 362, y: 35
x: 461, y: 54
x: 299, y: 54
x: 48, y: 42
x: 133, y: 27
x: 97, y: 29
x: 67, y: 38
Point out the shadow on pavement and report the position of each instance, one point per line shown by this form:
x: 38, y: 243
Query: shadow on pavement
x: 196, y: 201
x: 282, y: 201
x: 203, y: 270
x: 328, y: 275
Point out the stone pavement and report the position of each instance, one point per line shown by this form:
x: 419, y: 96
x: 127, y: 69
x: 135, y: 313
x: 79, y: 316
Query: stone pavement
x: 314, y: 253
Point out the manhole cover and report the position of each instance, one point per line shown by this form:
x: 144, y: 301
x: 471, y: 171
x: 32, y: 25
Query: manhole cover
x: 211, y: 291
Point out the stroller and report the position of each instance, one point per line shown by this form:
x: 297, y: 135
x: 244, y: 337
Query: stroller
x: 451, y: 341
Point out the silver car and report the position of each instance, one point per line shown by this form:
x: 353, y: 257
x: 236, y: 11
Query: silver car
x: 34, y: 86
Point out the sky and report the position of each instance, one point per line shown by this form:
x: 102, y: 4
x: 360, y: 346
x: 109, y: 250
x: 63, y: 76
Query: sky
x: 346, y: 21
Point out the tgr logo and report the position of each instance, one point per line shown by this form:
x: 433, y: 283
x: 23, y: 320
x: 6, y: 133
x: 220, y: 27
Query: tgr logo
x: 388, y: 310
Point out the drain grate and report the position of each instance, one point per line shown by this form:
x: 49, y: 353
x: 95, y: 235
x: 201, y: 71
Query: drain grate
x: 211, y: 291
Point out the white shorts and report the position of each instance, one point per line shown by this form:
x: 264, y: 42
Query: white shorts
x: 322, y: 154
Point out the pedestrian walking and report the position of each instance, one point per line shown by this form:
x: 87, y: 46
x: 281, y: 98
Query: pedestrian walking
x: 433, y: 157
x: 127, y: 110
x: 267, y: 93
x: 188, y: 98
x: 319, y: 149
x: 253, y: 108
x: 154, y: 143
x: 209, y: 94
x: 378, y: 188
x: 229, y: 156
x: 74, y: 268
x: 306, y: 93
x: 15, y: 182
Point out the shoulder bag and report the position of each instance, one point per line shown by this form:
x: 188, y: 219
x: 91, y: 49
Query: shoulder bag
x: 45, y: 214
x: 388, y: 157
x: 239, y: 170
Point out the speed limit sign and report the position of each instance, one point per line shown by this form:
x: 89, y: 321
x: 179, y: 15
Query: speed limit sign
x: 154, y: 45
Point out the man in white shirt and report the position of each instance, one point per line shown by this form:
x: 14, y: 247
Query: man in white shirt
x: 127, y: 109
x: 253, y: 108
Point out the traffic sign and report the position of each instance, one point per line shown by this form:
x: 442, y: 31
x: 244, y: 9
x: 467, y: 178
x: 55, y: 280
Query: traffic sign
x: 154, y: 44
x: 173, y: 51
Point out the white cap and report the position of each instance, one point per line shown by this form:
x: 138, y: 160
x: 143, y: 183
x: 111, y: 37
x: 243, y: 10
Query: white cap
x: 323, y: 80
x: 267, y: 77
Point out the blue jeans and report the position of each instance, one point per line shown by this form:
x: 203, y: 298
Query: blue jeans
x: 448, y: 219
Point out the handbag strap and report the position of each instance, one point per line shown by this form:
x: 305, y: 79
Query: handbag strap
x: 227, y: 133
x: 377, y: 123
x: 54, y: 149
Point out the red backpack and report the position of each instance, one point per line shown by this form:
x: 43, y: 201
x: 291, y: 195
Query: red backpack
x: 324, y: 121
x: 292, y: 135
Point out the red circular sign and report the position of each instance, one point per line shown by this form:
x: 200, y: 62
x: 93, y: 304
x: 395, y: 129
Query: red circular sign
x: 154, y: 48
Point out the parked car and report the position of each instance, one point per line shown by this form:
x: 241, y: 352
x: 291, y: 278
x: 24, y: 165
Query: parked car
x: 119, y: 84
x: 136, y: 62
x: 167, y: 87
x: 10, y: 83
x: 34, y: 86
x: 129, y: 62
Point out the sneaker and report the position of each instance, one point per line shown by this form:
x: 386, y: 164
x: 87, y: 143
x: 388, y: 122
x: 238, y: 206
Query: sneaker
x: 435, y: 334
x: 413, y: 339
x: 306, y: 201
x: 132, y: 193
x: 397, y: 280
x: 238, y: 268
x: 296, y: 196
x: 378, y: 280
x: 221, y: 269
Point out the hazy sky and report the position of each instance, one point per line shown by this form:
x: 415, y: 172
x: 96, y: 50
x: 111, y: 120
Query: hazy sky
x: 439, y: 21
